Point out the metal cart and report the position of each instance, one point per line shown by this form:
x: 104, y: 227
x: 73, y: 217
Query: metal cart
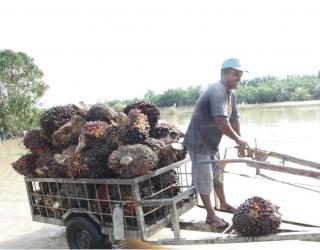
x: 85, y: 206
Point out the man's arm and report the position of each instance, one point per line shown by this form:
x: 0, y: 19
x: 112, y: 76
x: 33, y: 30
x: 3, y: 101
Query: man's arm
x: 232, y: 131
x: 235, y: 124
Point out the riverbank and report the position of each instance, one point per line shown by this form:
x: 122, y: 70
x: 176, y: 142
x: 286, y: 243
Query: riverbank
x: 279, y: 104
x: 183, y: 109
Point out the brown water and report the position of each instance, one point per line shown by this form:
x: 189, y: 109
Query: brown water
x: 291, y: 129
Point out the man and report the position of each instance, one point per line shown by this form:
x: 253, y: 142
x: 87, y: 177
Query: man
x: 215, y: 114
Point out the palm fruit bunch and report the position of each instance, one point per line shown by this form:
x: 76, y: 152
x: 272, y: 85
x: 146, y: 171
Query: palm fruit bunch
x: 26, y: 165
x: 169, y: 154
x: 159, y: 147
x: 256, y: 217
x: 96, y: 129
x: 155, y: 144
x: 38, y: 201
x: 122, y: 119
x: 52, y: 119
x: 91, y: 163
x: 103, y: 205
x: 114, y: 137
x: 36, y: 142
x: 100, y: 112
x: 123, y: 193
x: 138, y: 128
x: 49, y: 166
x: 70, y: 195
x: 92, y: 134
x: 163, y: 130
x: 132, y: 160
x: 149, y: 109
x: 68, y: 134
x: 80, y: 109
x: 168, y: 183
x: 166, y: 152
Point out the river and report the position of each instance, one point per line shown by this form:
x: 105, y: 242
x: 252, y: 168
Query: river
x: 291, y: 128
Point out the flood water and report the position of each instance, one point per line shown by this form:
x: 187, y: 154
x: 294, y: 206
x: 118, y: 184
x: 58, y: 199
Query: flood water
x: 293, y: 129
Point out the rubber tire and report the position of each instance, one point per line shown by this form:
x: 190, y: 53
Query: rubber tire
x: 81, y: 226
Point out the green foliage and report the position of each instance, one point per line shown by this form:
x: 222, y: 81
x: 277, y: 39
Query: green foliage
x: 258, y: 90
x: 21, y: 87
x: 272, y: 89
x: 177, y: 96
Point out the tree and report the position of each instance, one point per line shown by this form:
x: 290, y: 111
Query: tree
x: 21, y: 87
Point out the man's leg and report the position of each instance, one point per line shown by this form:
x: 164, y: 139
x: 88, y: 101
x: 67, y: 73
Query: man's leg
x: 211, y: 218
x: 219, y: 187
x: 219, y: 191
x: 202, y: 179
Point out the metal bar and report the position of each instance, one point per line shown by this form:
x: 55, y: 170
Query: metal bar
x: 161, y: 170
x: 270, y: 166
x: 285, y: 157
x: 175, y: 221
x: 163, y: 222
x: 113, y: 180
x: 139, y: 211
x: 52, y: 203
x: 29, y: 196
x: 295, y: 160
x: 222, y: 239
x: 168, y: 201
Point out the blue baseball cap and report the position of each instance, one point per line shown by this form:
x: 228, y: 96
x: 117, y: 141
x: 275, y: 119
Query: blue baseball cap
x: 233, y: 63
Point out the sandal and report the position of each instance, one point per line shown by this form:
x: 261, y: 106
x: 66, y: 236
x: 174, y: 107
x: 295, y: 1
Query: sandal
x: 213, y: 223
x: 229, y: 209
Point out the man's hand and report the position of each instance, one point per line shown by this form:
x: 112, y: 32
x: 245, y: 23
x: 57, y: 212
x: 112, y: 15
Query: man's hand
x: 242, y: 145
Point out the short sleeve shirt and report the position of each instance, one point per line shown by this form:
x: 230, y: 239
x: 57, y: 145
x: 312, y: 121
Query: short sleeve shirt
x: 203, y: 136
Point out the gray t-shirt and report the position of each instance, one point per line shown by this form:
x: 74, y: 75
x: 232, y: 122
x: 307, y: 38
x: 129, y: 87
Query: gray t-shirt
x: 202, y: 135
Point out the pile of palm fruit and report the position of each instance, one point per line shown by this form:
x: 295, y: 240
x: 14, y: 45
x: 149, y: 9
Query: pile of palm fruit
x: 256, y: 217
x: 98, y: 142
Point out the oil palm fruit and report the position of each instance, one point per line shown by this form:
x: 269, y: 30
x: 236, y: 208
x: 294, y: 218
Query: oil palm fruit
x: 149, y: 109
x: 163, y: 130
x: 49, y: 166
x: 255, y: 217
x: 114, y: 137
x: 68, y: 133
x: 91, y: 163
x: 36, y: 141
x: 102, y: 113
x: 132, y: 160
x: 123, y: 193
x: 26, y: 165
x: 55, y: 117
x: 169, y: 154
x: 92, y: 135
x: 138, y: 129
x: 167, y: 183
x: 122, y: 119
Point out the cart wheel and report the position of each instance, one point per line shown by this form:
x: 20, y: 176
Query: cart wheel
x: 83, y: 234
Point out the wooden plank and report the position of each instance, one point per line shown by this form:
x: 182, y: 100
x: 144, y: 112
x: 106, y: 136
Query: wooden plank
x: 222, y: 239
